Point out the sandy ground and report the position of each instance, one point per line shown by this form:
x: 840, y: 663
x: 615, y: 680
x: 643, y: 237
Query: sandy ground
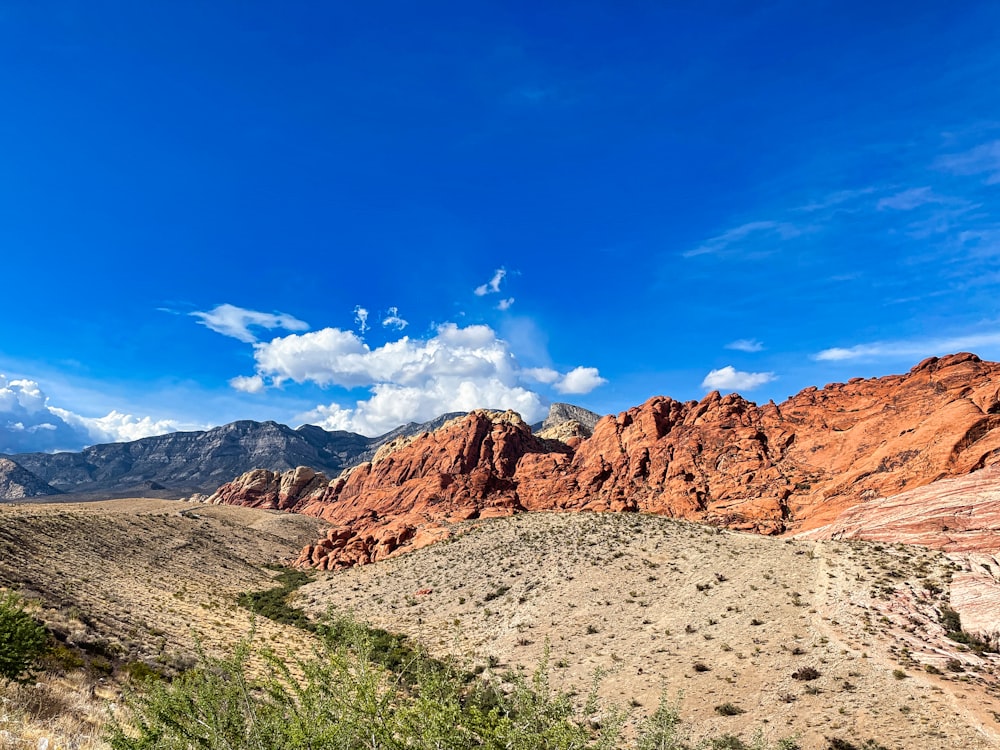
x: 711, y: 616
x: 707, y: 616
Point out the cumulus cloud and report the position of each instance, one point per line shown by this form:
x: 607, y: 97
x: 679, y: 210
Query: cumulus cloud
x: 505, y: 304
x: 28, y: 422
x: 493, y: 285
x: 746, y: 345
x: 730, y: 379
x: 541, y: 374
x: 580, y: 380
x: 392, y: 319
x: 117, y: 427
x: 248, y: 383
x: 361, y: 318
x: 236, y: 322
x: 456, y: 369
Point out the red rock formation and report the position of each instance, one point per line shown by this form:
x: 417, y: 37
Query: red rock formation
x: 724, y: 460
x: 961, y: 514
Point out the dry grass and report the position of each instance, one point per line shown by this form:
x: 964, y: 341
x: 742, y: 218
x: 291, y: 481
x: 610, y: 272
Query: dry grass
x: 723, y: 618
x: 129, y: 581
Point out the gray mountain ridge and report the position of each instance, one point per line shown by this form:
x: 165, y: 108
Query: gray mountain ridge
x: 185, y: 463
x: 17, y: 483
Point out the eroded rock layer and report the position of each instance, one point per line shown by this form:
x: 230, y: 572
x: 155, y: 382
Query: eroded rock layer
x: 724, y: 460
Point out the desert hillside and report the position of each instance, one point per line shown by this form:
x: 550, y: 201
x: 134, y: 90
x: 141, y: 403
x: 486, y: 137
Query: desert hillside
x: 658, y: 604
x: 714, y: 615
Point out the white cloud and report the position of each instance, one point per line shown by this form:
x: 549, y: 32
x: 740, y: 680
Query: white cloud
x: 391, y: 405
x: 580, y: 380
x: 746, y: 345
x: 915, y: 349
x: 760, y: 230
x: 457, y: 369
x: 505, y: 304
x: 236, y: 322
x: 29, y: 423
x: 493, y: 285
x: 248, y: 384
x: 983, y: 159
x: 117, y: 427
x: 908, y: 200
x: 392, y: 320
x: 730, y: 379
x: 541, y: 374
x: 361, y: 318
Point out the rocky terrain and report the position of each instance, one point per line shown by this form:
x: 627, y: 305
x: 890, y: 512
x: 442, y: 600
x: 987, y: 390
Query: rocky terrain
x: 709, y: 616
x: 772, y: 469
x: 17, y: 483
x: 193, y: 462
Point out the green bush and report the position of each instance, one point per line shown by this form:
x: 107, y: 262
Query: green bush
x: 22, y: 639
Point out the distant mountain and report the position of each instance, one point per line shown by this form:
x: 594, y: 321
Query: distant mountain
x: 17, y: 483
x: 189, y: 462
x: 560, y: 413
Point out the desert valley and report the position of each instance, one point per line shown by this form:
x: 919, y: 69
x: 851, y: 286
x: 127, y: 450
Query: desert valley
x: 821, y: 572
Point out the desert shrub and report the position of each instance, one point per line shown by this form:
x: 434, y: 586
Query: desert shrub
x: 22, y: 639
x: 343, y: 698
x: 273, y: 603
x: 662, y: 730
x: 729, y: 709
x: 837, y: 743
x: 805, y: 674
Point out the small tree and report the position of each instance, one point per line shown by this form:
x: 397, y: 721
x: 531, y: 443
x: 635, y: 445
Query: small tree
x: 22, y: 639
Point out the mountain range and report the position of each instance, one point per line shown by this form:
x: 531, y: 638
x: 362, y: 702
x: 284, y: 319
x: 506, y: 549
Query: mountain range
x: 184, y: 463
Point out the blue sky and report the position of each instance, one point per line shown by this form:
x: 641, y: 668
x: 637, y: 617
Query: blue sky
x: 357, y: 214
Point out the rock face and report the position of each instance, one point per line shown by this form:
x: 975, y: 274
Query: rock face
x: 466, y: 469
x: 17, y: 483
x: 954, y: 515
x: 198, y: 462
x: 724, y: 460
x: 560, y: 414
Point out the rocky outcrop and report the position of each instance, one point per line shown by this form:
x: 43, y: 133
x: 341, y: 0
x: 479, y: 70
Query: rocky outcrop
x: 723, y: 460
x: 17, y: 483
x: 407, y: 498
x: 961, y: 514
x: 560, y: 414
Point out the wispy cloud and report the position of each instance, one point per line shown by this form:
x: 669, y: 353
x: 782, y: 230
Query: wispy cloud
x: 730, y: 242
x: 493, y: 285
x: 361, y: 318
x: 392, y: 320
x: 983, y: 159
x: 236, y: 322
x: 730, y: 379
x: 909, y: 199
x: 911, y: 348
x: 505, y: 304
x: 746, y: 345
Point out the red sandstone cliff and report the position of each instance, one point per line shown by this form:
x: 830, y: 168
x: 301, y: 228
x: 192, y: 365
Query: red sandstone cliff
x: 724, y: 460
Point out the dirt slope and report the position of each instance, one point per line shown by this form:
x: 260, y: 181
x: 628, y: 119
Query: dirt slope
x: 650, y: 599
